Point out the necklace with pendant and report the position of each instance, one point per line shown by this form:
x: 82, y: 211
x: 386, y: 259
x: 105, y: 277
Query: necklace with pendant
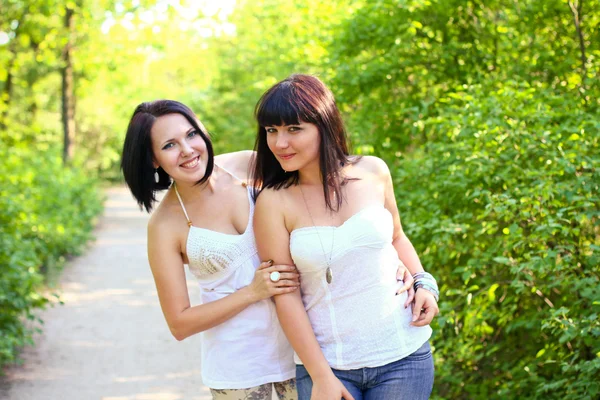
x: 328, y: 272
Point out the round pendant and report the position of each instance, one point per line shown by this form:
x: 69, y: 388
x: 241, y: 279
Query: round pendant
x: 328, y: 275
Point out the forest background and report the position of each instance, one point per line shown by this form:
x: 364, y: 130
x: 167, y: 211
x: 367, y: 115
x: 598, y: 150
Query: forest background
x: 485, y: 111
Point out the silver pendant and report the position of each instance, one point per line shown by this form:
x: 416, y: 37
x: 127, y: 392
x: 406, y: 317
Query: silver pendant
x: 328, y: 275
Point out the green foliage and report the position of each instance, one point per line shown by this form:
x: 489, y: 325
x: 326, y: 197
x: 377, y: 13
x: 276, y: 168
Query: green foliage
x: 487, y: 113
x: 395, y: 58
x: 46, y: 213
x: 277, y: 39
x: 505, y: 207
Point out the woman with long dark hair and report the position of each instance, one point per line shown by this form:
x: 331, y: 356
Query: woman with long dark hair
x: 335, y: 217
x: 205, y: 221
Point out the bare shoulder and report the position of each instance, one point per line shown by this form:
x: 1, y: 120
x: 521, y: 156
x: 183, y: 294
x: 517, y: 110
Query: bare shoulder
x: 161, y: 221
x: 270, y: 199
x: 373, y: 165
x: 238, y: 163
x: 157, y: 220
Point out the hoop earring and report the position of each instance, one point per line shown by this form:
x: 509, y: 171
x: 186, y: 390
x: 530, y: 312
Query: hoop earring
x: 156, y: 176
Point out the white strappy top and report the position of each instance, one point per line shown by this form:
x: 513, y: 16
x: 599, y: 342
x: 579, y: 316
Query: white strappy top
x: 358, y: 320
x: 249, y: 349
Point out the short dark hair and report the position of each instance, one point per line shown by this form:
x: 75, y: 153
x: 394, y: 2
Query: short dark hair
x: 136, y: 161
x: 301, y: 98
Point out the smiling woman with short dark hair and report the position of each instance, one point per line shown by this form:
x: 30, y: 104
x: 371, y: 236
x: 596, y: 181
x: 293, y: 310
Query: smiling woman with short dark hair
x: 205, y: 221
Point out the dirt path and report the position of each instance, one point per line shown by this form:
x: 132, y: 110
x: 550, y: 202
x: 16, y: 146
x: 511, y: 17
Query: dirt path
x: 109, y: 340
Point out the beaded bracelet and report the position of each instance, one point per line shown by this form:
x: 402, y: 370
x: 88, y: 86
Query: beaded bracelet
x: 426, y: 281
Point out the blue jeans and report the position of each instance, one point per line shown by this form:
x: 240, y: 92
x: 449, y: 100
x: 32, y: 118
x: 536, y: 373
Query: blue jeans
x: 410, y: 378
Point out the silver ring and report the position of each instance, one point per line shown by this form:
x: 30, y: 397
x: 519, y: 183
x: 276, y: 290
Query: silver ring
x: 275, y: 276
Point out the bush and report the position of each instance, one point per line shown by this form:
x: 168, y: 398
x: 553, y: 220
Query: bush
x: 46, y: 212
x: 503, y: 206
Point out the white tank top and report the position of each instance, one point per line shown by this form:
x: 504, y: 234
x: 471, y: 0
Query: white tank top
x: 249, y: 349
x: 358, y: 320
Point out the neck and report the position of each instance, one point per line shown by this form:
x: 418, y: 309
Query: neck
x: 192, y: 190
x: 311, y: 174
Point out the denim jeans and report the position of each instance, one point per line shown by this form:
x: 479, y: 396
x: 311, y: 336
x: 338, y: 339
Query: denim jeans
x: 410, y: 378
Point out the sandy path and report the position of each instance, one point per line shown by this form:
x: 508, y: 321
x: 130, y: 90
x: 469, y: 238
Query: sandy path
x: 109, y: 340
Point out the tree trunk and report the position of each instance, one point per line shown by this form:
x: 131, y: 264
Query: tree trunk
x: 576, y: 10
x: 68, y: 95
x: 7, y: 92
x: 8, y: 85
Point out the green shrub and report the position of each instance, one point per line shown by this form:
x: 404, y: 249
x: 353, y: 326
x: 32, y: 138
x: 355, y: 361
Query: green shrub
x: 503, y: 205
x: 46, y: 212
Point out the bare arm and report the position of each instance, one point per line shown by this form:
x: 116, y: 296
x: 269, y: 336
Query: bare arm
x: 425, y: 307
x: 237, y: 163
x: 273, y: 242
x: 167, y: 268
x: 406, y: 251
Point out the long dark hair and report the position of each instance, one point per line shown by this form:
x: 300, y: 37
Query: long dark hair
x: 137, y: 158
x: 301, y: 98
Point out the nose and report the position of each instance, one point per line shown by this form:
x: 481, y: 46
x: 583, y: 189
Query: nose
x: 186, y: 149
x: 282, y: 141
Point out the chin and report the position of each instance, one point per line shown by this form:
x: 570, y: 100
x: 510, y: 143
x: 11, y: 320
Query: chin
x: 192, y: 177
x: 289, y: 166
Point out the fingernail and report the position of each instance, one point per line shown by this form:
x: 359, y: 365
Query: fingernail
x: 415, y: 318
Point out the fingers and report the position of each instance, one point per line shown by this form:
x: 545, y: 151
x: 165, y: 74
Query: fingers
x: 410, y: 298
x: 265, y: 264
x: 285, y: 282
x: 425, y: 318
x: 426, y: 307
x: 417, y: 309
x: 403, y: 275
x: 286, y: 273
x: 346, y: 394
x: 281, y: 268
x: 277, y: 267
x: 284, y: 290
x: 292, y: 276
x: 404, y: 286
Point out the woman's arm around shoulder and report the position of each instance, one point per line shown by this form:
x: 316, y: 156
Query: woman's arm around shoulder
x: 166, y: 263
x: 238, y: 162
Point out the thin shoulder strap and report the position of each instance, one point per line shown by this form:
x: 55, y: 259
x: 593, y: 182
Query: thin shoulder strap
x: 182, y: 206
x: 234, y: 176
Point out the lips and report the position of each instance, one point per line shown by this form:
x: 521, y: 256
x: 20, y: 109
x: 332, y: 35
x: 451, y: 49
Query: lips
x: 286, y: 156
x: 192, y: 163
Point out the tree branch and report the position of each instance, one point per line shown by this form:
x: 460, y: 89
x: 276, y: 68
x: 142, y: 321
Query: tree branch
x: 576, y: 10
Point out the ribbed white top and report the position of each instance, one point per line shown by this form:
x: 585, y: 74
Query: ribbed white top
x: 358, y: 320
x: 249, y: 349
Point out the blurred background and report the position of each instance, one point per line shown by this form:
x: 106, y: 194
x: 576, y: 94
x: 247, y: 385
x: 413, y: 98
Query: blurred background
x: 487, y: 113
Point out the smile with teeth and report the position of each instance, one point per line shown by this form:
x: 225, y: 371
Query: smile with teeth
x: 192, y: 163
